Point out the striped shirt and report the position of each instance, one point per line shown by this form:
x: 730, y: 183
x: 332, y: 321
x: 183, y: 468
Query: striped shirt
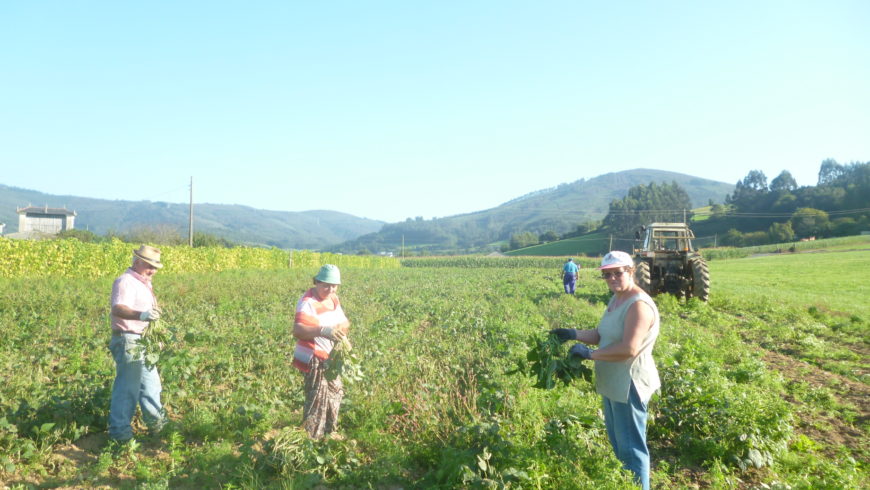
x: 311, y: 312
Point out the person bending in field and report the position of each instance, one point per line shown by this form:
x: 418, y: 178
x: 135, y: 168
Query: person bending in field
x: 318, y: 324
x: 570, y: 273
x: 625, y: 372
x: 134, y: 306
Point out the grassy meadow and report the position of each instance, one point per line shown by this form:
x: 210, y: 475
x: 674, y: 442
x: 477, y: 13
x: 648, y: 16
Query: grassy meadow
x: 765, y: 386
x: 590, y: 244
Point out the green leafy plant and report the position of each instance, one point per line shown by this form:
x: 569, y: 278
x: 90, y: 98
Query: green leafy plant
x: 547, y: 363
x: 154, y: 341
x: 343, y: 363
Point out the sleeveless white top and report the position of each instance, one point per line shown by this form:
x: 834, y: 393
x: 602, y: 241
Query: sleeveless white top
x: 613, y: 378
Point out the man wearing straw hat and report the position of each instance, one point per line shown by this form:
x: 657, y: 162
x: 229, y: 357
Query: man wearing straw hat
x: 134, y: 306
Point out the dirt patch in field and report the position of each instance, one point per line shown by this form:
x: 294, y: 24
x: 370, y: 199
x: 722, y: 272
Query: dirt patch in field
x: 84, y: 451
x: 834, y: 432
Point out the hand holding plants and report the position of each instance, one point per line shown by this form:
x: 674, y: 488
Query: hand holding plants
x: 580, y: 350
x: 564, y: 334
x: 151, y: 315
x: 336, y: 332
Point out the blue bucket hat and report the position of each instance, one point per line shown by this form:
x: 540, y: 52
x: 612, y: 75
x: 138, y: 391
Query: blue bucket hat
x: 329, y: 274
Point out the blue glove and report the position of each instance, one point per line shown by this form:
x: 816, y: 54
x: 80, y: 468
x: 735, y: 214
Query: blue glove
x: 580, y: 350
x: 564, y: 334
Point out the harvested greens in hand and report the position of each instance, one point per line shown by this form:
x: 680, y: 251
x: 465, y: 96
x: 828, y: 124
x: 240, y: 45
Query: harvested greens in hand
x: 547, y: 362
x: 154, y: 340
x: 343, y: 363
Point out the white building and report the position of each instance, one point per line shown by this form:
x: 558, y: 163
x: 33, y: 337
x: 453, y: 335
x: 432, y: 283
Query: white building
x: 45, y: 220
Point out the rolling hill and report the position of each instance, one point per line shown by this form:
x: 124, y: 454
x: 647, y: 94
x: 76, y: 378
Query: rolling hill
x: 240, y: 224
x: 560, y: 209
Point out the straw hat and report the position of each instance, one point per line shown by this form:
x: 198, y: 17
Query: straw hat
x: 148, y: 254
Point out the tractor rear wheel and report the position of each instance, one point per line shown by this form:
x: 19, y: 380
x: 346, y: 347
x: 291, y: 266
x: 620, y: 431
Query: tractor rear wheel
x: 643, y: 278
x: 700, y: 279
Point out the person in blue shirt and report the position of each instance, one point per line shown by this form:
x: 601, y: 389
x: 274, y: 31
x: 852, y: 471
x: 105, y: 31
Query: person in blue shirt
x: 570, y: 273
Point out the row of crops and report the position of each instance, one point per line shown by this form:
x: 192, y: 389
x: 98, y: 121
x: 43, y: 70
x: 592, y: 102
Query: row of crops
x: 439, y: 403
x: 72, y: 258
x: 476, y: 262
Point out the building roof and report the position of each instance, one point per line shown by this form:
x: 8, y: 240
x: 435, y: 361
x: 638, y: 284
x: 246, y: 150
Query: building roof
x: 45, y: 210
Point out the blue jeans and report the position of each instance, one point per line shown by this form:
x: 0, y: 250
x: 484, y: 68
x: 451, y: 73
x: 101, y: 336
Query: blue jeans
x: 134, y: 385
x: 626, y: 429
x: 569, y: 285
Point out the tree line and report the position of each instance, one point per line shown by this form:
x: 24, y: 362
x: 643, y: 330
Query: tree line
x: 757, y: 212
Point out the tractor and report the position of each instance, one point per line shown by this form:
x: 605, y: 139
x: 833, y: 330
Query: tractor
x: 666, y: 262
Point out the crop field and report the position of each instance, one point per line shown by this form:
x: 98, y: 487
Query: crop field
x: 765, y: 386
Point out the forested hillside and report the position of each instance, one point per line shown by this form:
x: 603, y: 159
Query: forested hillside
x: 758, y: 212
x: 559, y: 210
x: 239, y: 224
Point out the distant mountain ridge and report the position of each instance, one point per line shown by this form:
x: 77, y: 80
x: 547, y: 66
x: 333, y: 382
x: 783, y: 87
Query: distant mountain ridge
x: 560, y: 209
x: 241, y: 224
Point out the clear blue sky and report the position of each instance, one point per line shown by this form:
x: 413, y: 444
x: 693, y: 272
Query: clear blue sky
x: 397, y: 109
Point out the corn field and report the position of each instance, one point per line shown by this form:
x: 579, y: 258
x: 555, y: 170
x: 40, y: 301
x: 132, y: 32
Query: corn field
x: 74, y: 259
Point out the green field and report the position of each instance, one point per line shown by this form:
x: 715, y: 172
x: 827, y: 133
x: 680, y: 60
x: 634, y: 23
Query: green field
x: 764, y: 387
x: 590, y: 245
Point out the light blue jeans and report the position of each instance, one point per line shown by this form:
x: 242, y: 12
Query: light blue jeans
x: 626, y: 429
x: 134, y: 385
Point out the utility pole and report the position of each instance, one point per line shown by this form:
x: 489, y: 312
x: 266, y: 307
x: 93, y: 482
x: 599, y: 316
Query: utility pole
x: 610, y: 247
x: 403, y: 246
x: 190, y: 214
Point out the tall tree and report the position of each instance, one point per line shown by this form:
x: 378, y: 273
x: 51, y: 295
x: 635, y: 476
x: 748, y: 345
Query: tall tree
x: 645, y: 204
x: 784, y: 182
x: 781, y: 232
x: 830, y: 171
x: 750, y: 193
x: 809, y: 222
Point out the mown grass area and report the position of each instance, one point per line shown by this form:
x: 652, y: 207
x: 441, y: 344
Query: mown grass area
x: 855, y: 242
x: 835, y: 282
x: 438, y: 406
x: 595, y: 244
x: 590, y: 245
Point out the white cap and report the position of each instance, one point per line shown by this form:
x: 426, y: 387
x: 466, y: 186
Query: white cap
x: 616, y: 259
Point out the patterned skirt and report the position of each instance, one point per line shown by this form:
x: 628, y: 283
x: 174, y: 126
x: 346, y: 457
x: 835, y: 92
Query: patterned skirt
x: 322, y: 401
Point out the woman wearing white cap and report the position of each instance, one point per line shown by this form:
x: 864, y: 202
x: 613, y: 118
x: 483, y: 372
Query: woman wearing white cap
x: 625, y: 373
x: 318, y: 323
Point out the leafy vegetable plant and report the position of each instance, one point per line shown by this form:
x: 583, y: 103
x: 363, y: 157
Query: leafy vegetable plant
x: 154, y: 340
x: 548, y: 364
x: 343, y: 363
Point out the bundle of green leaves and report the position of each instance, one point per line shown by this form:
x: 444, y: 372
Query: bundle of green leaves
x: 156, y: 338
x: 548, y: 363
x: 343, y: 363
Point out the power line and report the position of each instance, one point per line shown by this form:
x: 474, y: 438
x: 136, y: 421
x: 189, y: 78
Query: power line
x: 734, y: 213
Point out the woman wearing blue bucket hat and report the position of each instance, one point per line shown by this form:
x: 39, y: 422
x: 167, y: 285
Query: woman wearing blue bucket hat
x: 319, y: 323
